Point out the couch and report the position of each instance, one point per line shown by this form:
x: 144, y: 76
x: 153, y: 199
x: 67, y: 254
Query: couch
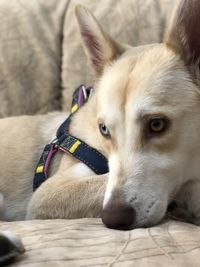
x: 42, y: 61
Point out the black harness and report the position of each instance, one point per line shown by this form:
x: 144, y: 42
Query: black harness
x: 70, y: 144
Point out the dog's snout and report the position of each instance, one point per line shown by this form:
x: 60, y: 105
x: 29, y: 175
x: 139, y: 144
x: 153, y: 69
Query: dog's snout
x: 118, y: 216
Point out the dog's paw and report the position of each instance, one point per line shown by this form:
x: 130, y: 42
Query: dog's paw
x: 179, y: 213
x: 10, y: 247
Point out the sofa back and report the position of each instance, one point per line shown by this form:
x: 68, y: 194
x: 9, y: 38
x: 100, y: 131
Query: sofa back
x: 42, y: 59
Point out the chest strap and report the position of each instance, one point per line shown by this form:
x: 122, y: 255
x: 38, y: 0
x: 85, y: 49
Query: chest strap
x: 70, y: 144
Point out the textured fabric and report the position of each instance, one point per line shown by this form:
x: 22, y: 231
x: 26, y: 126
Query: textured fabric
x: 134, y: 22
x: 87, y: 242
x: 30, y: 55
x: 36, y: 65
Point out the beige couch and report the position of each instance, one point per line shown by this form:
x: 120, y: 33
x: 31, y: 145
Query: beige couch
x: 42, y: 61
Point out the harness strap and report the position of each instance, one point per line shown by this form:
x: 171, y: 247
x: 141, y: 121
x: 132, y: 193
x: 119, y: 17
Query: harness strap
x: 41, y: 172
x: 70, y: 144
x: 83, y: 152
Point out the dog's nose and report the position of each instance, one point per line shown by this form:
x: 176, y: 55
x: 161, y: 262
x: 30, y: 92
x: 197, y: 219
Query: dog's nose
x: 119, y: 217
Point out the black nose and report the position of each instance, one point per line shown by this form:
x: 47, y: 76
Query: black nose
x: 118, y: 216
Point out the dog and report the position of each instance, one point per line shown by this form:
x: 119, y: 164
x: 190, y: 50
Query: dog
x: 143, y: 117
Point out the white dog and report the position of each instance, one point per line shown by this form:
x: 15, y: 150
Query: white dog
x: 144, y: 117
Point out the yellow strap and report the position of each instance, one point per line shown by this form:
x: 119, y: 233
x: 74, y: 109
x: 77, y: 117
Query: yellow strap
x: 74, y: 108
x: 40, y: 169
x: 74, y: 146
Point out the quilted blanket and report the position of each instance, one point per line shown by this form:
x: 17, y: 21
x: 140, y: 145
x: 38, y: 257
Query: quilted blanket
x: 87, y: 242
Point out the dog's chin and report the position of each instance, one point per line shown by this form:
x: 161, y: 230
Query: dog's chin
x: 150, y: 219
x: 147, y: 222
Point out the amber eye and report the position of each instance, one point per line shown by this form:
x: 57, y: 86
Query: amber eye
x: 156, y: 125
x: 104, y: 130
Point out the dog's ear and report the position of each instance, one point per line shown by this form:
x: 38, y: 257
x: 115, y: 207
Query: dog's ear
x: 184, y: 34
x: 99, y: 46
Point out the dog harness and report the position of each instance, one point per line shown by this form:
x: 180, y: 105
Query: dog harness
x: 70, y: 144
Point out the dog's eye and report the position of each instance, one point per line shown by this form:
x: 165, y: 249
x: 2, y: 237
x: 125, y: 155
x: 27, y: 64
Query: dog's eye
x: 157, y: 125
x: 104, y: 130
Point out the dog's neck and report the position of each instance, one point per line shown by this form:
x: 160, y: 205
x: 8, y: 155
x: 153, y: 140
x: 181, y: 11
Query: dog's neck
x: 84, y: 124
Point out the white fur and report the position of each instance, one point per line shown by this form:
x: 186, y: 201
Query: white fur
x: 81, y: 170
x: 112, y: 182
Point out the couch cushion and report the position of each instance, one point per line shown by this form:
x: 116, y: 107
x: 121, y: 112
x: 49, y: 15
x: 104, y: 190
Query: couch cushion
x: 134, y: 22
x: 36, y: 64
x: 86, y: 242
x: 30, y: 55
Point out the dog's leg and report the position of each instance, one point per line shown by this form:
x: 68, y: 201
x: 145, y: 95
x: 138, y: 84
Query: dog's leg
x: 10, y: 247
x: 187, y: 207
x: 61, y: 198
x: 179, y: 211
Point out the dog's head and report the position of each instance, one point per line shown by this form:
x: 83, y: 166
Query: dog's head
x: 147, y: 114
